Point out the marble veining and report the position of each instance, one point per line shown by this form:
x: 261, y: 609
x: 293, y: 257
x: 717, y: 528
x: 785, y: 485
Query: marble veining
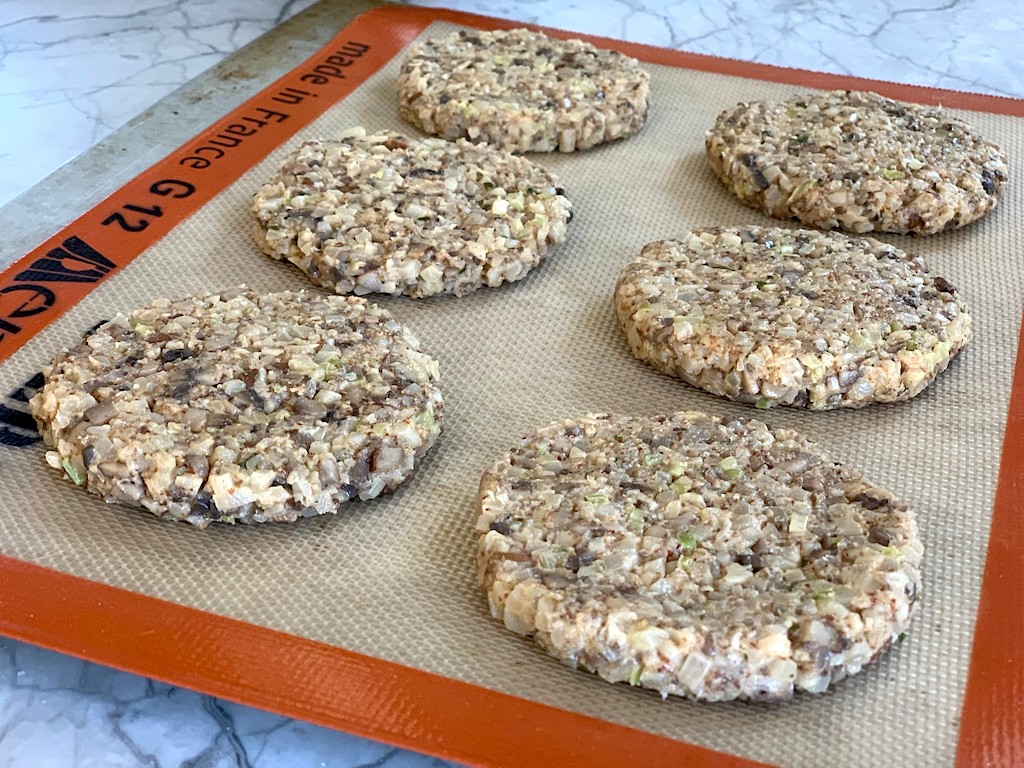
x: 57, y: 711
x: 72, y: 72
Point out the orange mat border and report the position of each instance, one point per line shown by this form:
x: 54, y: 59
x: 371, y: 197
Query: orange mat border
x: 360, y: 694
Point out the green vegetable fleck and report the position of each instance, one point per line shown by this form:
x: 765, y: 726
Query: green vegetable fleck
x: 635, y: 521
x: 859, y: 341
x: 824, y: 593
x: 687, y: 541
x: 730, y: 468
x: 681, y: 486
x: 73, y: 472
x: 801, y: 189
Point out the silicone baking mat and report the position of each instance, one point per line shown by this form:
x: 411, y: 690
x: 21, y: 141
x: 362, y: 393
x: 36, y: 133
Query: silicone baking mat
x: 372, y: 621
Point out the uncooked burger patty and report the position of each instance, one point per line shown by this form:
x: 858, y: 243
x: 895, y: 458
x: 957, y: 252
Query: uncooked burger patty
x: 241, y: 407
x: 702, y: 558
x: 856, y: 161
x: 522, y: 90
x: 773, y: 316
x: 384, y: 213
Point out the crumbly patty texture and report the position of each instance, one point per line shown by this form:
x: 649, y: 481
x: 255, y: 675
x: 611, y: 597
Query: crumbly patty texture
x: 384, y: 213
x: 522, y: 90
x: 857, y: 161
x: 241, y: 407
x: 773, y: 316
x: 702, y: 558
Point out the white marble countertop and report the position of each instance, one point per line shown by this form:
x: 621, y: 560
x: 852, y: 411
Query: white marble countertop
x: 71, y: 73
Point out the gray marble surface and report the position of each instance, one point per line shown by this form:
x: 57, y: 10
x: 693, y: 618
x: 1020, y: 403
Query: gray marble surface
x: 72, y: 72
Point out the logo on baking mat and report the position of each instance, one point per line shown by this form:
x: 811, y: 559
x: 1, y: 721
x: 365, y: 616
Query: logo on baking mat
x: 17, y: 427
x: 34, y: 290
x: 76, y: 262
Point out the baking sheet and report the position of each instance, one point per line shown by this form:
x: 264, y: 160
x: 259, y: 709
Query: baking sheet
x: 394, y: 578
